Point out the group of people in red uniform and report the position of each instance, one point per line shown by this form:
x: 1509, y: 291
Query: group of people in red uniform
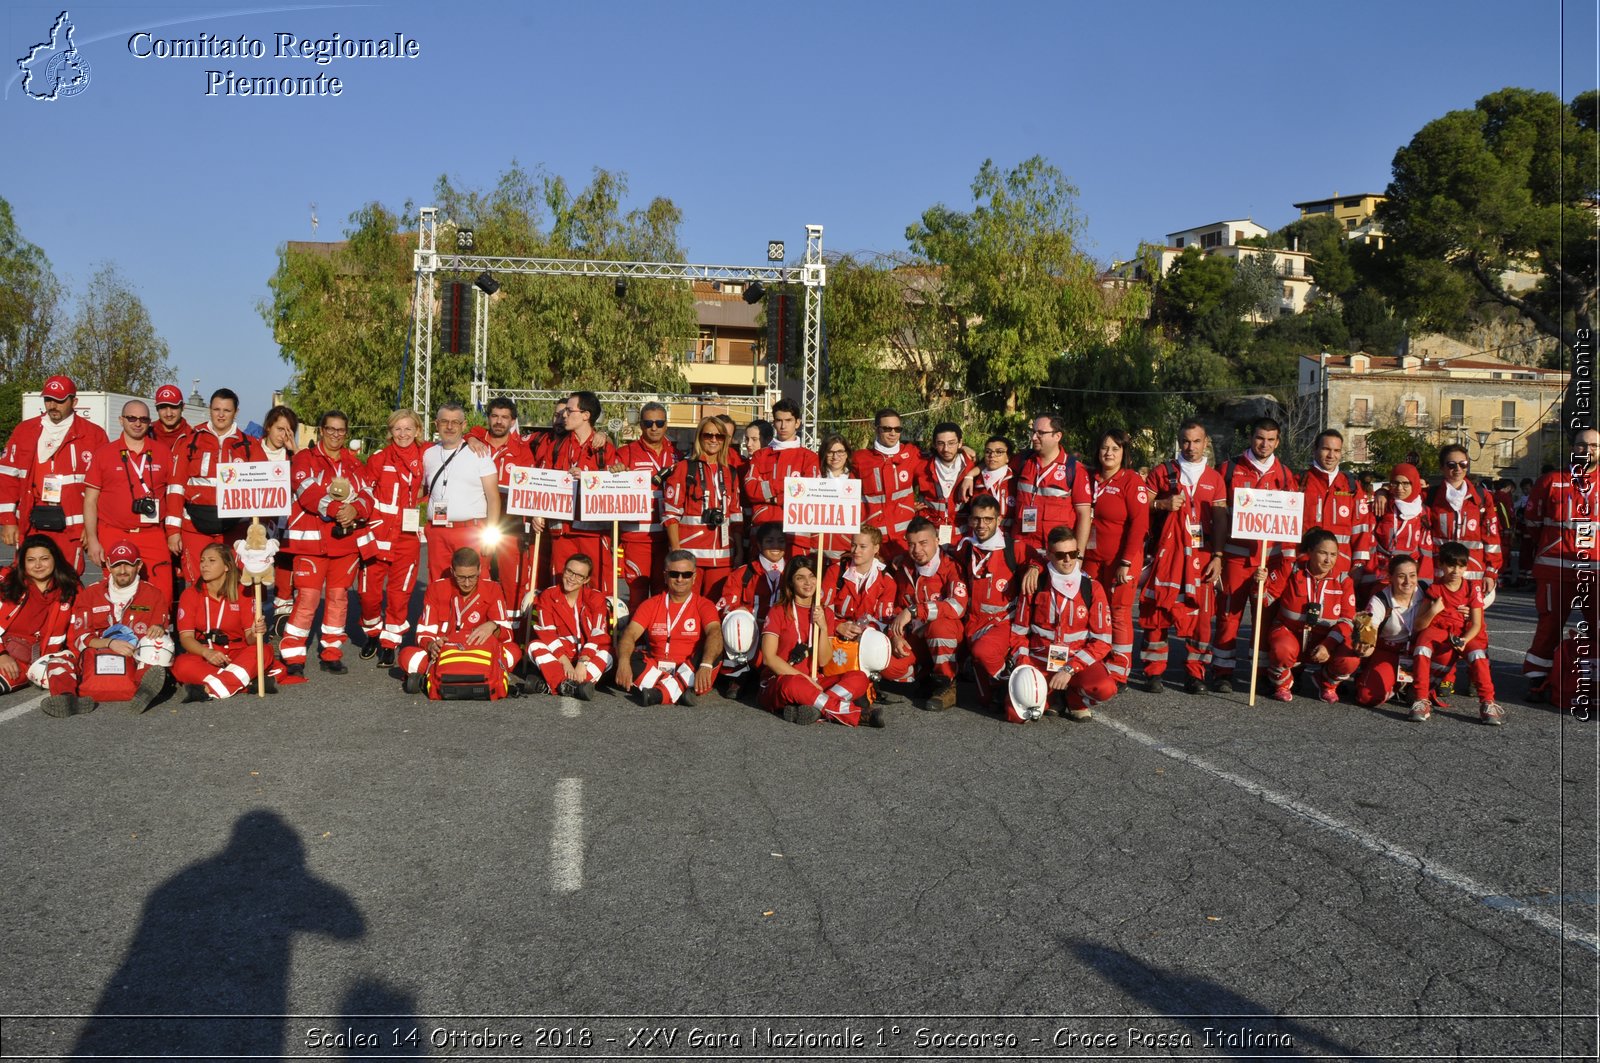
x: 996, y: 561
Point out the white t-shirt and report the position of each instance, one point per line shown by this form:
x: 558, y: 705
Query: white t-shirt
x: 458, y: 493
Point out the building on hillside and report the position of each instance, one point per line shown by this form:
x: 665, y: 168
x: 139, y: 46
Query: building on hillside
x: 1357, y: 214
x: 1217, y: 234
x: 1224, y: 239
x: 1507, y: 416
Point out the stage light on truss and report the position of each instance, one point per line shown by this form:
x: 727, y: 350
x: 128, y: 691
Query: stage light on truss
x: 774, y: 250
x: 487, y: 284
x: 464, y: 240
x: 754, y: 292
x: 622, y: 287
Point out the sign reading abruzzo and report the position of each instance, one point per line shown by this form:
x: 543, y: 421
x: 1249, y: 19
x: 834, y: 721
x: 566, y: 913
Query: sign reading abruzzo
x: 548, y: 493
x: 623, y: 496
x: 253, y: 489
x: 1271, y: 516
x: 822, y: 504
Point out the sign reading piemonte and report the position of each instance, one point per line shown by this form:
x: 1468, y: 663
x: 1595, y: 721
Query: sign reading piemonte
x: 548, y: 493
x: 822, y: 504
x: 623, y: 496
x: 253, y: 489
x: 1268, y: 516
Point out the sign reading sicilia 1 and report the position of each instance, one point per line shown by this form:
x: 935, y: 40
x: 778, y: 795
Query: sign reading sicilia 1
x: 1268, y: 516
x: 253, y: 489
x: 822, y: 504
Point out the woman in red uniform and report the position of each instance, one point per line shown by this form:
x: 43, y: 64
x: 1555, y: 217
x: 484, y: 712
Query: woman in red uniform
x: 834, y: 457
x: 796, y: 629
x: 700, y: 508
x: 36, y: 596
x: 1402, y: 531
x: 1394, y: 610
x: 1115, y: 554
x: 1312, y: 620
x: 279, y: 434
x: 218, y: 630
x: 395, y: 478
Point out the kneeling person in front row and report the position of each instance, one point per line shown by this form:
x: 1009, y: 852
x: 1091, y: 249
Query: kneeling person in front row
x: 682, y: 641
x: 119, y: 634
x: 1064, y: 631
x: 463, y: 636
x: 218, y: 630
x: 798, y: 634
x: 571, y: 644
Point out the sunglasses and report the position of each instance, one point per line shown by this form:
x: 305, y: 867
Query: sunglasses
x: 888, y: 428
x: 136, y: 420
x: 653, y: 423
x: 712, y: 435
x: 1458, y: 464
x: 673, y: 574
x: 1066, y: 555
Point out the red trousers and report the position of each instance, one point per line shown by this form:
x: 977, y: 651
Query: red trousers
x: 708, y: 579
x: 1557, y: 594
x: 1379, y: 674
x: 1238, y: 593
x: 319, y: 579
x: 552, y: 659
x: 597, y: 546
x: 989, y: 642
x: 385, y: 591
x: 933, y: 653
x: 1283, y: 652
x: 836, y: 701
x: 506, y: 561
x: 445, y: 539
x: 223, y: 681
x: 643, y: 567
x: 671, y: 679
x: 1436, y: 657
x: 1119, y: 662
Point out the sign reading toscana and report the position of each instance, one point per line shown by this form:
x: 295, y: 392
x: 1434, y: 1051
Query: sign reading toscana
x: 1268, y: 515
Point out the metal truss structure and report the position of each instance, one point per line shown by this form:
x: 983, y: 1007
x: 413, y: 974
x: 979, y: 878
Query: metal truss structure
x: 811, y: 274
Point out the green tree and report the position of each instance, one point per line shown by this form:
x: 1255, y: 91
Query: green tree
x: 1019, y: 289
x: 1506, y: 186
x: 1391, y: 444
x: 111, y: 344
x: 30, y: 300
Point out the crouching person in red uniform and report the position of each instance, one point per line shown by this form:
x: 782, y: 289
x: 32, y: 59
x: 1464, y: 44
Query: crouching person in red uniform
x: 683, y: 641
x: 1394, y: 608
x: 797, y: 630
x: 119, y: 633
x: 571, y: 644
x: 218, y: 630
x: 1313, y: 617
x: 931, y: 597
x: 460, y: 610
x: 1452, y: 626
x: 36, y: 599
x: 1064, y: 631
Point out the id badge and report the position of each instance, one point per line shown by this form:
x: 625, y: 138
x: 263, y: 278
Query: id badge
x: 441, y: 512
x: 50, y: 491
x: 1091, y: 545
x: 945, y: 531
x: 110, y: 664
x: 410, y: 520
x: 1030, y: 521
x: 1058, y: 658
x: 1194, y: 535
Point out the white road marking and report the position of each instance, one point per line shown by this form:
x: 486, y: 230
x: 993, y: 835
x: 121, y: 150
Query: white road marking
x: 13, y: 713
x: 1479, y: 892
x: 566, y: 840
x: 570, y: 708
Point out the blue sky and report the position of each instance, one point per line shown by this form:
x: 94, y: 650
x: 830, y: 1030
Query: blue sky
x: 755, y: 119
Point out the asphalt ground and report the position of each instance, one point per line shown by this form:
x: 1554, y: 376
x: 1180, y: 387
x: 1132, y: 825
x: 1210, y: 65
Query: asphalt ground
x: 342, y: 870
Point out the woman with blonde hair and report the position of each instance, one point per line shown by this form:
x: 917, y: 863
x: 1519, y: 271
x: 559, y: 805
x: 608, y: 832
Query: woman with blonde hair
x: 394, y: 474
x: 700, y: 507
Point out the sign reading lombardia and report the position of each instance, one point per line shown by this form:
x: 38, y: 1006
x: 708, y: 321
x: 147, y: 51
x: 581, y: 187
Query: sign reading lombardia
x: 547, y: 493
x: 253, y: 489
x: 822, y: 504
x: 1268, y: 515
x: 621, y: 496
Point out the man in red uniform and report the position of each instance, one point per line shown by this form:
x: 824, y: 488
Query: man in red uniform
x: 581, y: 449
x: 940, y: 479
x: 191, y: 508
x: 460, y: 609
x: 755, y: 588
x: 645, y: 545
x: 774, y: 463
x: 931, y: 598
x: 1052, y: 489
x: 888, y: 472
x: 1335, y: 500
x: 1258, y: 468
x: 169, y: 426
x: 861, y: 591
x: 1064, y: 630
x: 992, y: 564
x: 42, y: 473
x: 323, y: 537
x: 1563, y: 512
x: 1180, y: 594
x: 683, y: 641
x: 1311, y: 621
x: 124, y: 492
x: 109, y: 620
x: 503, y: 544
x: 571, y: 646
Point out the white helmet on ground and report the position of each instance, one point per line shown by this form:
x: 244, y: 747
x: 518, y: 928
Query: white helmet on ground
x: 739, y: 634
x: 873, y: 657
x: 1029, y: 693
x: 155, y: 650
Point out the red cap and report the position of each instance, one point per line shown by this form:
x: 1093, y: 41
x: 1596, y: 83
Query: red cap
x: 60, y: 387
x: 169, y: 395
x: 123, y: 553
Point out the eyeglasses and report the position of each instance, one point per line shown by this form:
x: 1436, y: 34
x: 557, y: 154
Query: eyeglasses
x: 575, y: 574
x: 713, y: 435
x: 1458, y: 464
x: 995, y: 452
x: 335, y: 431
x: 457, y: 423
x: 473, y: 578
x: 653, y: 422
x: 1045, y: 432
x: 838, y: 452
x: 888, y: 428
x: 674, y: 574
x: 1066, y: 555
x: 136, y: 420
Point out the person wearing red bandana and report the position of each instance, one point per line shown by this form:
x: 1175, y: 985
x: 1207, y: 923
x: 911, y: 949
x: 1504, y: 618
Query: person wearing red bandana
x: 169, y: 426
x: 1179, y: 597
x: 888, y: 472
x: 42, y: 472
x: 1239, y: 564
x: 1564, y: 511
x: 1402, y: 531
x: 394, y: 482
x: 1336, y: 501
x: 939, y: 482
x: 191, y: 509
x: 123, y: 494
x: 644, y: 546
x: 1311, y: 620
x: 1115, y: 554
x: 796, y: 633
x: 769, y: 467
x: 992, y: 563
x: 325, y: 532
x: 571, y: 645
x: 931, y: 599
x: 1052, y: 489
x: 461, y: 608
x: 682, y: 634
x: 1064, y: 630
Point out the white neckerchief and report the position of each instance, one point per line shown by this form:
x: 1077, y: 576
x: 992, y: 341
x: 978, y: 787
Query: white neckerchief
x: 881, y: 449
x: 1455, y: 495
x: 784, y: 444
x: 1067, y: 584
x: 51, y: 436
x: 1330, y: 475
x: 274, y: 453
x: 1272, y: 459
x: 1408, y: 508
x: 773, y: 571
x: 947, y: 475
x: 992, y: 543
x: 120, y: 597
x: 842, y: 474
x: 995, y: 476
x: 232, y: 428
x: 860, y: 579
x: 930, y: 569
x: 1191, y: 471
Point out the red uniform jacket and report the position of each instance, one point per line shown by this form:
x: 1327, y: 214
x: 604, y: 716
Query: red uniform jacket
x: 170, y: 436
x: 1342, y: 506
x: 1057, y: 630
x: 937, y: 484
x: 311, y: 521
x: 993, y: 573
x: 37, y: 625
x: 693, y: 487
x: 1563, y: 511
x: 394, y: 483
x: 1048, y: 496
x: 584, y: 629
x: 754, y: 587
x: 1395, y: 536
x: 25, y: 482
x: 1181, y: 547
x: 93, y: 612
x: 888, y: 488
x: 1476, y: 526
x: 1121, y: 520
x: 768, y: 468
x: 637, y: 455
x: 1240, y: 472
x: 575, y: 457
x: 862, y: 599
x: 193, y: 479
x: 450, y: 615
x: 1296, y: 590
x: 936, y: 591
